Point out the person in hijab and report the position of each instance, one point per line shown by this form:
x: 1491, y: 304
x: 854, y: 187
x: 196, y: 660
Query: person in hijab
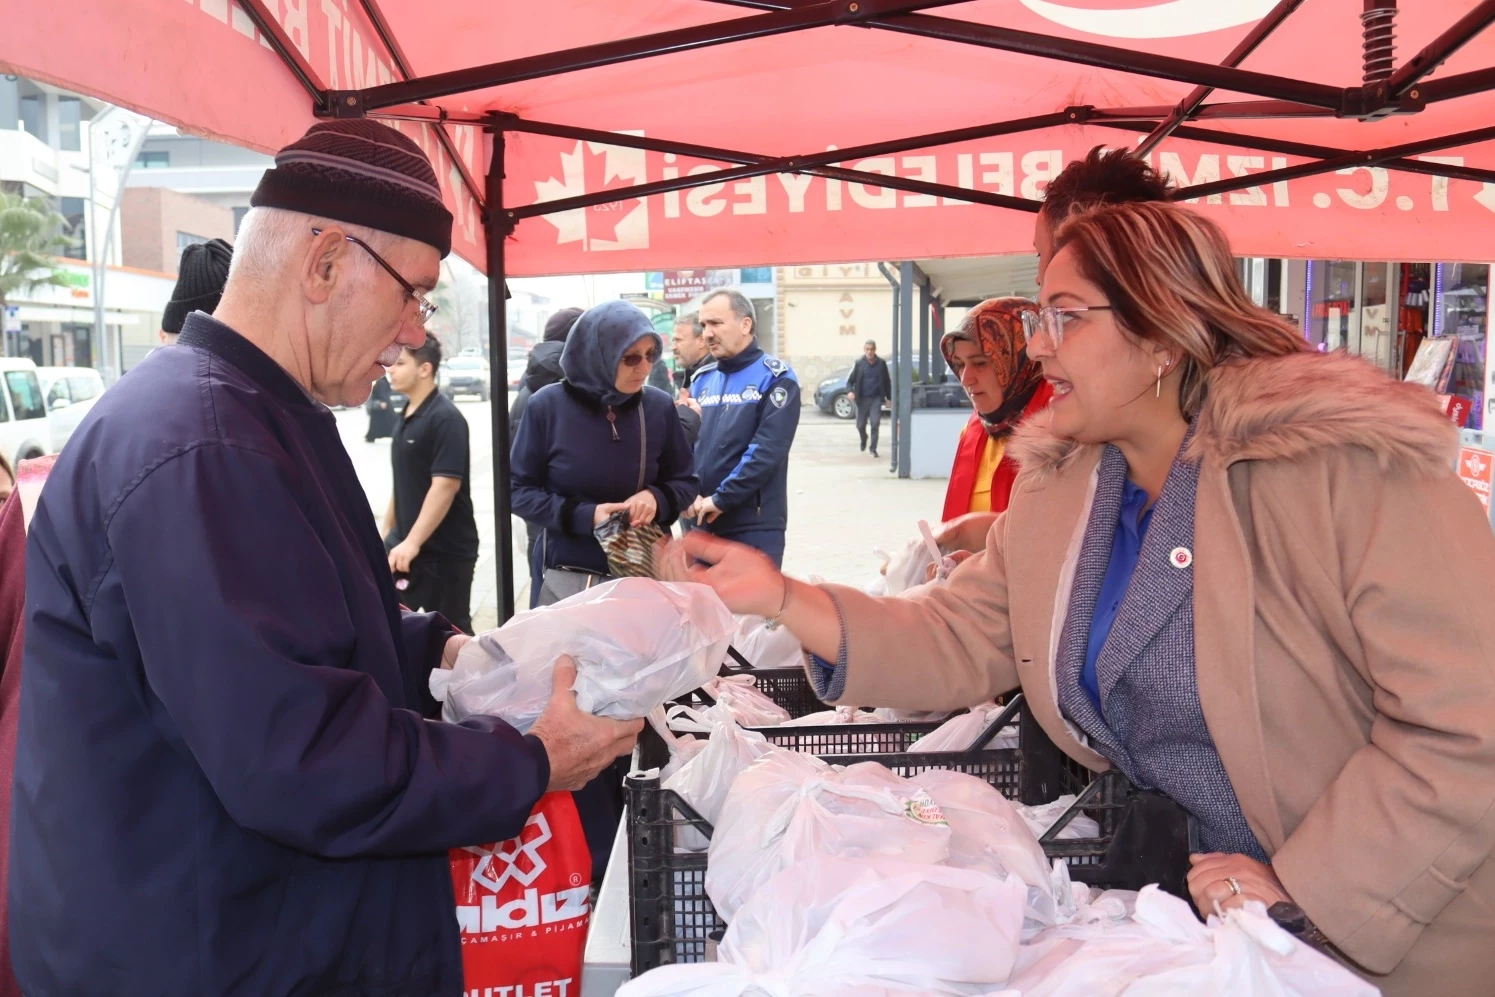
x: 598, y: 442
x: 988, y: 352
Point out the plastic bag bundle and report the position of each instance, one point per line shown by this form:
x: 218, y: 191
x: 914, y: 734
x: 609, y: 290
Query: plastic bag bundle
x: 1042, y: 817
x: 788, y: 806
x: 856, y: 928
x: 986, y: 834
x: 960, y: 732
x: 637, y: 643
x: 844, y: 715
x: 765, y: 645
x: 709, y: 768
x: 739, y: 695
x: 1164, y: 951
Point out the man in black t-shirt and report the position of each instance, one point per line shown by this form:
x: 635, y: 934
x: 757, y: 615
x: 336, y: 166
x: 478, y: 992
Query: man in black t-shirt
x: 430, y: 528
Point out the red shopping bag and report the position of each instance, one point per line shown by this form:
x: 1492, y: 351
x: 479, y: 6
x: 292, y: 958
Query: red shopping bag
x: 523, y: 906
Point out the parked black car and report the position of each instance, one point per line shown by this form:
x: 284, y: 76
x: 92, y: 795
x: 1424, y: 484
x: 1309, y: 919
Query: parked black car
x: 831, y: 395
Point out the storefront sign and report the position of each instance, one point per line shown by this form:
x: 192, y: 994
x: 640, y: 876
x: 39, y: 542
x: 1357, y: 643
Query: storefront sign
x: 1475, y: 468
x: 681, y: 286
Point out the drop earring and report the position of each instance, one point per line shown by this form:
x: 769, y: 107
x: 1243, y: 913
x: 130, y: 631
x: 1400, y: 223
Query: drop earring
x: 1159, y: 393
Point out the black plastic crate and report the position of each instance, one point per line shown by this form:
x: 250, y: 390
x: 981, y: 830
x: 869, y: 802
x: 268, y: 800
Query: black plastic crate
x: 788, y: 687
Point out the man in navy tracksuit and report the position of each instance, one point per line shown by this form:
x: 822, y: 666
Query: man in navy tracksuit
x: 749, y: 413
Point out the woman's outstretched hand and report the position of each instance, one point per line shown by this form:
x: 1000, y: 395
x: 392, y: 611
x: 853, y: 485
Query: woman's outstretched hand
x: 744, y: 578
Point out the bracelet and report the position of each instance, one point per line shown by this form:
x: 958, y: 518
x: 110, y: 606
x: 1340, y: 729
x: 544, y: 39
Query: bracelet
x: 773, y: 621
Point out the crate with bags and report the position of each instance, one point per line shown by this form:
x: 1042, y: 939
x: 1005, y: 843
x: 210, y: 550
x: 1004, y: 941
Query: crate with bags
x: 758, y: 869
x: 1107, y: 834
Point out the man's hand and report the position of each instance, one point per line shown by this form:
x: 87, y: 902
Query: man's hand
x: 852, y: 395
x: 449, y: 652
x: 1209, y: 882
x: 580, y: 745
x: 966, y: 532
x: 402, y: 555
x: 642, y: 508
x: 704, y: 510
x: 689, y: 402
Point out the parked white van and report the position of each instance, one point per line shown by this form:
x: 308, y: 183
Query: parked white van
x: 70, y: 393
x: 25, y: 431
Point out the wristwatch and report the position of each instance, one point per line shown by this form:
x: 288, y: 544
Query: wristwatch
x: 1291, y: 919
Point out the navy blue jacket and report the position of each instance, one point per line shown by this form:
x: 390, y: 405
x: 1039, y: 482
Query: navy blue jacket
x: 224, y: 782
x: 568, y: 457
x: 749, y: 415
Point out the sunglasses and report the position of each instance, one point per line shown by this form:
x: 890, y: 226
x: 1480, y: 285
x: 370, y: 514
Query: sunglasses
x: 634, y: 359
x: 425, y: 307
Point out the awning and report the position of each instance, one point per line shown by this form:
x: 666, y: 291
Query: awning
x: 1006, y: 91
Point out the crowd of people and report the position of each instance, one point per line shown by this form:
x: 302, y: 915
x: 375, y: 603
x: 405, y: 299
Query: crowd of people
x: 1180, y: 532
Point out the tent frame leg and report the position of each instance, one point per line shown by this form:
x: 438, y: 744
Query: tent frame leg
x: 497, y: 228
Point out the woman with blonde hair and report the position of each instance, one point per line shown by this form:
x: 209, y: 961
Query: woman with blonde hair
x: 1244, y: 574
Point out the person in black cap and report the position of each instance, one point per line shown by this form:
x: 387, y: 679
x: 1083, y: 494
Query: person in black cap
x: 199, y: 285
x: 225, y: 750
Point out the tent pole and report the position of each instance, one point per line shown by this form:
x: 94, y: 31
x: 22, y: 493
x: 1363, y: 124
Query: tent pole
x: 924, y: 308
x: 496, y: 227
x: 264, y: 19
x: 1318, y: 152
x: 905, y: 386
x: 1353, y: 159
x: 1441, y: 48
x: 1195, y: 100
x: 611, y: 53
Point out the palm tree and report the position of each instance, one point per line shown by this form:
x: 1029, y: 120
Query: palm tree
x: 32, y: 232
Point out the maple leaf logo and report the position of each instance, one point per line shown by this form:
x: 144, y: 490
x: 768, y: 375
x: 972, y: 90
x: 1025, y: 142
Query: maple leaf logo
x: 590, y: 168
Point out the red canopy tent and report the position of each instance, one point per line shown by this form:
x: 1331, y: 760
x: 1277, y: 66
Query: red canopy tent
x: 592, y: 135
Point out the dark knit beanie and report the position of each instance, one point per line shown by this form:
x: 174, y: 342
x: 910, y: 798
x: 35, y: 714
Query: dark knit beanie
x: 364, y: 173
x: 199, y: 283
x: 559, y: 325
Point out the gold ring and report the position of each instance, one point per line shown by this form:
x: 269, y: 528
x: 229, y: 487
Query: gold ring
x: 1235, y: 888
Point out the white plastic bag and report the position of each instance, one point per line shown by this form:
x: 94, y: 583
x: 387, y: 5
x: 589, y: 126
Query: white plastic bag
x: 868, y: 743
x: 1042, y: 817
x: 1164, y: 951
x: 960, y: 732
x: 765, y: 645
x: 707, y: 775
x: 788, y: 806
x: 858, y: 928
x: 986, y: 834
x: 637, y: 642
x: 739, y: 694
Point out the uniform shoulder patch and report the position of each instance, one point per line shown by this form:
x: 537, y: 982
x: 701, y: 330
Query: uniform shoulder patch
x: 779, y: 396
x: 775, y: 365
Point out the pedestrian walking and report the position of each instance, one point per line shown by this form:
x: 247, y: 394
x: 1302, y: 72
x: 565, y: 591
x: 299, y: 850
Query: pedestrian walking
x: 869, y: 385
x: 224, y: 758
x: 382, y: 415
x: 749, y: 415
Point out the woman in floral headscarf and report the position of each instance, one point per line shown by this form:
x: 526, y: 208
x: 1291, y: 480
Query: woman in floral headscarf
x: 988, y: 353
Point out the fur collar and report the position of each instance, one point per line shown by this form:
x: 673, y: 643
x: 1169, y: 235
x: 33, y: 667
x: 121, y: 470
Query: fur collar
x: 1283, y: 408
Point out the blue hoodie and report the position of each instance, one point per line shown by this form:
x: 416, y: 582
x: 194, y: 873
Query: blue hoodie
x: 578, y: 446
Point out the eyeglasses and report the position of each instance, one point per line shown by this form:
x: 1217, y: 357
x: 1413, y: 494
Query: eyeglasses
x: 1052, y: 321
x: 426, y: 308
x: 634, y: 359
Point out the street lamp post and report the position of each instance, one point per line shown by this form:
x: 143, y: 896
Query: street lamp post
x: 122, y: 147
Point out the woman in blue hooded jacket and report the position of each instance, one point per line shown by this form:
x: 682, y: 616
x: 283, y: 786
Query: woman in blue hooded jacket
x: 586, y: 444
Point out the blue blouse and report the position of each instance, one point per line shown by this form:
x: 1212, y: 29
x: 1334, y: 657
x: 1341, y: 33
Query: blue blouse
x: 1126, y: 549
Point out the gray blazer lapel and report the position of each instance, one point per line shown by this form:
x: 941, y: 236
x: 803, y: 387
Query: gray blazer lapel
x: 1090, y: 571
x: 1160, y: 584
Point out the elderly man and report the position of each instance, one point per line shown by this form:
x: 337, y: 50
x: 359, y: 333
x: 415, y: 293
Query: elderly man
x: 226, y: 781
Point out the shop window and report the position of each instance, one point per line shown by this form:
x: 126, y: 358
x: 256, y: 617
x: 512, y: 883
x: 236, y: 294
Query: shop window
x: 1461, y: 307
x: 185, y: 239
x: 153, y: 160
x: 69, y: 124
x: 75, y: 210
x: 1331, y: 299
x: 34, y: 115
